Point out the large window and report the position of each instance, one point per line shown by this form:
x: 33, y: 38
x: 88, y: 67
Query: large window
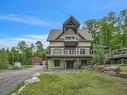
x: 56, y: 63
x: 57, y: 51
x: 82, y: 51
x: 70, y: 51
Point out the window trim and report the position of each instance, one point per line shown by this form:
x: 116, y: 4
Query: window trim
x: 82, y: 51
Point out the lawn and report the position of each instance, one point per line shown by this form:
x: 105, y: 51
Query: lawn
x: 123, y: 68
x: 77, y: 83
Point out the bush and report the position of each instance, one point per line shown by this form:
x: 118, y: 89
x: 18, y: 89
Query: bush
x: 99, y: 57
x: 4, y: 64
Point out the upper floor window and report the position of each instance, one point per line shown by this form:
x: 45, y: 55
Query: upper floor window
x: 82, y: 51
x: 70, y: 51
x: 70, y: 38
x: 57, y: 51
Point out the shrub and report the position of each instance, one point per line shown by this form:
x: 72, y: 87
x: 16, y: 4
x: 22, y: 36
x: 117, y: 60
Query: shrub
x: 99, y: 57
x: 4, y: 64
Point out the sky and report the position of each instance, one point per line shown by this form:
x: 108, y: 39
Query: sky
x: 31, y: 20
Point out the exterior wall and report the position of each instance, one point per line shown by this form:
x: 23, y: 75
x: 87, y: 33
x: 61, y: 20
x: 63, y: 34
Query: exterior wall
x: 77, y: 62
x: 51, y: 62
x: 84, y: 44
x: 59, y: 44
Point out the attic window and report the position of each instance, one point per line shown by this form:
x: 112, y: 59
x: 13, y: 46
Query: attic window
x: 68, y: 38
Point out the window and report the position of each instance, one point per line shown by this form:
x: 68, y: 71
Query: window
x: 83, y: 62
x: 73, y: 51
x: 56, y: 63
x: 82, y: 51
x: 70, y: 51
x: 68, y: 38
x: 57, y: 51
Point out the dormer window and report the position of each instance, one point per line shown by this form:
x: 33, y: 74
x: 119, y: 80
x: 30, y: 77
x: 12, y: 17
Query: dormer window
x: 70, y: 38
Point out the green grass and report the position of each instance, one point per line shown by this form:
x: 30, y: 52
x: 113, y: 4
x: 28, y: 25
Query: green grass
x: 17, y: 88
x: 78, y: 83
x: 123, y: 68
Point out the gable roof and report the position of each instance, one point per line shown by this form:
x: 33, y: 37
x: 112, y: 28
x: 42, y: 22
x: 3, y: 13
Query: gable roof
x: 86, y: 35
x: 54, y: 34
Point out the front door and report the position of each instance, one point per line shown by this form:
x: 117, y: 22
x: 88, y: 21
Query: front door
x: 69, y: 64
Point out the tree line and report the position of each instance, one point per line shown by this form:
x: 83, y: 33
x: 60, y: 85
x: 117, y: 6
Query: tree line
x: 109, y: 31
x: 22, y: 53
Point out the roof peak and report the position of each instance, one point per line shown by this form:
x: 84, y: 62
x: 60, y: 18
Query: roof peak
x: 71, y: 19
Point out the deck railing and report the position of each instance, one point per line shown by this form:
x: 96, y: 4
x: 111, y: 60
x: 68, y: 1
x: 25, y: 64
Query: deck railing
x: 119, y: 53
x: 63, y: 52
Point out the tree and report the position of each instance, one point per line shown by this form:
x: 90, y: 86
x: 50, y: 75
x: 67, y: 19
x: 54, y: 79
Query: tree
x: 22, y: 46
x: 27, y: 56
x: 4, y: 64
x: 92, y: 26
x: 122, y: 19
x: 110, y: 30
x: 39, y: 45
x: 41, y: 52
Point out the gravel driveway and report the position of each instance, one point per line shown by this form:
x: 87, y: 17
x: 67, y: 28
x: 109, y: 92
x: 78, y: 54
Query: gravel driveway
x: 9, y: 80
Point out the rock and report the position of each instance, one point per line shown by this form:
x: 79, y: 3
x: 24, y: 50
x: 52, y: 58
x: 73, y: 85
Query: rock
x: 106, y: 69
x: 115, y: 68
x: 112, y: 70
x: 123, y: 74
x: 95, y: 67
x: 33, y: 80
x: 36, y: 75
x: 102, y: 66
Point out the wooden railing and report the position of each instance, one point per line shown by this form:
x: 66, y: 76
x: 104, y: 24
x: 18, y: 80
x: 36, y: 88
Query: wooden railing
x: 72, y: 52
x: 119, y: 53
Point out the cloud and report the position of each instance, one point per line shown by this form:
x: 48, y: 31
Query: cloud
x: 10, y: 42
x: 25, y: 19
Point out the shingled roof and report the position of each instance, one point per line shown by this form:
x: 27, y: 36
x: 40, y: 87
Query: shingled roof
x: 86, y: 35
x: 54, y: 34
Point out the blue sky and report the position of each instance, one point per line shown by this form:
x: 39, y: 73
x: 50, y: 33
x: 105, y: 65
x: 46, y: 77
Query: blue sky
x: 31, y: 20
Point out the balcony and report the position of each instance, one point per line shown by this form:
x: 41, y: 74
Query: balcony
x: 70, y: 41
x: 70, y: 53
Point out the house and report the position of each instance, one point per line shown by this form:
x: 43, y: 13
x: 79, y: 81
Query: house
x: 36, y: 60
x: 69, y: 47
